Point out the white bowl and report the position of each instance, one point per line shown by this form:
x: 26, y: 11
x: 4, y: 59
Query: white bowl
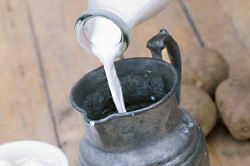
x: 15, y: 151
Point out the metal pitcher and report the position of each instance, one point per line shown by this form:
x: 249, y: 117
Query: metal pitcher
x: 155, y: 131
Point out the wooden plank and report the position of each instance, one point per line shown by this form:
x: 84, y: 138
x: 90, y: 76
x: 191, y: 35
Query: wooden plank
x: 24, y: 112
x: 64, y: 63
x: 224, y: 150
x: 217, y: 30
x: 239, y: 12
x: 173, y: 19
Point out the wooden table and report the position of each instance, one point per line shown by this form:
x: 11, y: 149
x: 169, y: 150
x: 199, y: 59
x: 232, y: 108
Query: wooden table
x: 40, y: 60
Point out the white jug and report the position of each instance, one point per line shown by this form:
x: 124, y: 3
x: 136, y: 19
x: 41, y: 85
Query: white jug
x: 118, y: 15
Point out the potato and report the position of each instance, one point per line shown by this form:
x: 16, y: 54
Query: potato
x: 233, y: 102
x: 204, y: 68
x: 200, y: 105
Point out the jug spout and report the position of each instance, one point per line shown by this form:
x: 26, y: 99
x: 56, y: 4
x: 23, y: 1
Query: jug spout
x: 136, y: 129
x: 109, y: 15
x: 150, y: 97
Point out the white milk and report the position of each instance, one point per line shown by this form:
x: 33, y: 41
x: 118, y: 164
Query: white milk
x: 6, y: 163
x: 106, y: 43
x: 29, y: 161
x: 104, y: 37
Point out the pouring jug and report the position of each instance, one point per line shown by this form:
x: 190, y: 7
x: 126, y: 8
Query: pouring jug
x: 115, y: 15
x: 155, y: 131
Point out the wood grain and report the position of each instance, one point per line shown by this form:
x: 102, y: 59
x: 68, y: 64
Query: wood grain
x: 224, y: 150
x: 218, y: 27
x: 40, y: 61
x: 24, y: 112
x: 217, y: 30
x: 173, y: 19
x: 64, y: 63
x: 238, y: 12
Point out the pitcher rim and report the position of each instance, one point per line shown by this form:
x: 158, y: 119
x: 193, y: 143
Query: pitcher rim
x: 130, y: 113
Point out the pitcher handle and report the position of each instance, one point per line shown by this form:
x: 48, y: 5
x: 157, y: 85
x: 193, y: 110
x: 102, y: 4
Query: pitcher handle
x: 164, y: 40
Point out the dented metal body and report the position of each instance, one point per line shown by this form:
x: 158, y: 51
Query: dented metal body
x: 155, y: 131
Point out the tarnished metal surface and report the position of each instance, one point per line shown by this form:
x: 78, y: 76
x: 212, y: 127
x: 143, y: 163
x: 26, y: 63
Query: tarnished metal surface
x: 155, y: 131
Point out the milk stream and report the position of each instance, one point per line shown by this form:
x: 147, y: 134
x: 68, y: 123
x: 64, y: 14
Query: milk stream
x: 106, y: 45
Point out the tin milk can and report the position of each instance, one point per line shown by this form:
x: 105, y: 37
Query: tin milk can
x: 155, y: 131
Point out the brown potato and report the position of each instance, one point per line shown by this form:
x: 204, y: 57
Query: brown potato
x: 200, y: 105
x: 233, y: 101
x: 204, y: 68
